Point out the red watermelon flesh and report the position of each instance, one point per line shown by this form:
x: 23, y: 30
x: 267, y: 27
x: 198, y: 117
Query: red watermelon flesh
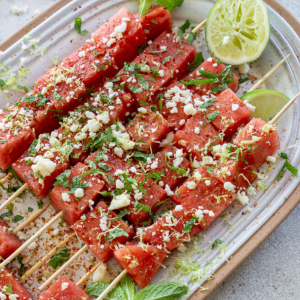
x: 167, y: 232
x: 75, y: 207
x: 211, y: 65
x: 62, y: 87
x: 8, y: 280
x: 94, y: 230
x: 8, y: 242
x: 64, y: 289
x: 263, y: 140
x: 173, y: 157
x: 233, y: 113
x: 41, y: 183
x: 112, y: 162
x: 155, y: 21
x: 144, y: 77
x: 13, y: 140
x: 147, y: 129
x: 197, y: 137
x: 141, y: 262
x: 91, y: 65
x: 173, y: 102
x: 166, y: 49
x: 153, y: 194
x: 121, y: 44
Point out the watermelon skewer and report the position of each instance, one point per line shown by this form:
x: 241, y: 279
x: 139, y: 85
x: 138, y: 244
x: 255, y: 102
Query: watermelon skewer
x: 125, y: 271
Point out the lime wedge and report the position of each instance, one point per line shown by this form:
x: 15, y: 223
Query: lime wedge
x: 237, y: 31
x: 267, y: 103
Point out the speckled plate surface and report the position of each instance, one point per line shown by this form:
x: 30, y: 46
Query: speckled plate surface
x: 58, y: 36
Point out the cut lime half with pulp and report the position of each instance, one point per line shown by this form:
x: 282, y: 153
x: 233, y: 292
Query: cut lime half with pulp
x: 237, y: 31
x: 267, y: 103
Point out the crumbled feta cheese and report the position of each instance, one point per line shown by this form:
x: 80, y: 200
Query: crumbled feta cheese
x: 191, y: 185
x: 142, y: 110
x: 189, y: 109
x: 178, y: 208
x: 207, y: 160
x: 32, y: 246
x: 168, y: 140
x: 242, y: 198
x: 64, y: 286
x: 65, y: 197
x: 102, y: 274
x: 168, y: 190
x: 229, y: 186
x: 197, y: 130
x: 244, y: 69
x: 79, y: 193
x: 43, y: 166
x: 207, y: 182
x: 120, y: 201
x: 250, y: 106
x: 118, y: 151
x: 119, y: 184
x: 161, y: 73
x: 234, y: 107
x: 272, y: 159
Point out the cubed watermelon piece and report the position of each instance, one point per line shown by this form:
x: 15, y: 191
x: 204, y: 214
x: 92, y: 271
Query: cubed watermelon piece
x: 42, y: 163
x: 233, y: 113
x: 155, y: 21
x: 9, y: 243
x: 76, y: 205
x: 197, y: 137
x: 148, y: 129
x: 91, y: 65
x: 238, y: 173
x: 177, y: 104
x: 257, y: 140
x: 167, y: 50
x: 115, y: 164
x: 144, y: 77
x: 211, y: 65
x: 86, y: 122
x: 174, y: 165
x: 120, y: 36
x: 9, y: 281
x: 167, y: 232
x: 43, y: 112
x: 15, y: 138
x: 64, y: 289
x: 94, y: 229
x: 62, y: 87
x: 144, y: 201
x: 141, y: 262
x: 205, y: 192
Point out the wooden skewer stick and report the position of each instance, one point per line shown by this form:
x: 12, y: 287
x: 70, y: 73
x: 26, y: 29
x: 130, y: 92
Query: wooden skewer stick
x: 34, y: 237
x: 66, y: 265
x: 88, y: 274
x: 49, y: 255
x: 197, y: 28
x: 3, y: 180
x: 31, y: 218
x: 14, y: 196
x: 279, y: 114
x: 112, y: 285
x: 263, y: 79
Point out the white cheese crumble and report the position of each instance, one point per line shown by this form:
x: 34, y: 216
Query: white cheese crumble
x: 43, y: 166
x: 102, y: 274
x: 272, y: 159
x: 120, y: 201
x: 244, y: 69
x: 64, y: 286
x: 229, y: 186
x: 234, y: 107
x: 79, y: 193
x: 242, y: 198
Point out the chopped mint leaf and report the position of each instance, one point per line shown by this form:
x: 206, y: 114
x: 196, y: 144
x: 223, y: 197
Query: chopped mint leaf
x: 61, y: 256
x: 196, y: 63
x: 215, y: 243
x: 17, y: 218
x: 114, y: 233
x: 77, y: 26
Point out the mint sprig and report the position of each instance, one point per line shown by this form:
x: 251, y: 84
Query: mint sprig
x: 169, y: 4
x: 126, y: 290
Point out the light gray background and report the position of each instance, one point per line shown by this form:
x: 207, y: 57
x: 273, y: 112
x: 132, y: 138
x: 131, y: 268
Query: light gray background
x: 273, y: 271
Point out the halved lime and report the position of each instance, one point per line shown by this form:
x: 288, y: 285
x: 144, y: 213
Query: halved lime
x: 267, y: 103
x: 237, y: 31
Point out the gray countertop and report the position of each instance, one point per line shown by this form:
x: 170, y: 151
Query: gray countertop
x: 273, y: 270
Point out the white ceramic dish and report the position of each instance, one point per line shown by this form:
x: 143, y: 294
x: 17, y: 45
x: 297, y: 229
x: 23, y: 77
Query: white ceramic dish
x: 58, y: 36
